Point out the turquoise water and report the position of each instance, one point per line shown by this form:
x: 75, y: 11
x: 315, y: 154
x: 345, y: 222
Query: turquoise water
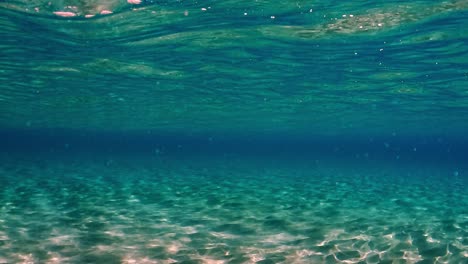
x: 230, y: 132
x: 288, y: 66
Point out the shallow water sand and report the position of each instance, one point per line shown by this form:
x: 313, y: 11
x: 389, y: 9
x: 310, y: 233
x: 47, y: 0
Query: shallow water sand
x: 229, y: 211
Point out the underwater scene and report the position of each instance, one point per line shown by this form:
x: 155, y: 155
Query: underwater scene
x: 222, y: 132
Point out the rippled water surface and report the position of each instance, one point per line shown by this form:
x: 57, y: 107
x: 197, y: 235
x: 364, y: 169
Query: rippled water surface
x: 230, y: 65
x: 233, y: 131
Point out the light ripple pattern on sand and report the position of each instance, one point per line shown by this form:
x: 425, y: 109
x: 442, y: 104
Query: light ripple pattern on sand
x: 228, y: 212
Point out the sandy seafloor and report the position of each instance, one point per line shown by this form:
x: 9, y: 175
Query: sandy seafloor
x: 229, y: 210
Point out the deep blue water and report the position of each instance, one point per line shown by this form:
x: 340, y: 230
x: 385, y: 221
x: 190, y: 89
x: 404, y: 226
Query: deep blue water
x: 364, y: 148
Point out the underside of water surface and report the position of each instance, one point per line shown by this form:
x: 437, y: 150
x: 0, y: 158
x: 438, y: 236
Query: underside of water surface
x: 233, y: 132
x: 228, y: 66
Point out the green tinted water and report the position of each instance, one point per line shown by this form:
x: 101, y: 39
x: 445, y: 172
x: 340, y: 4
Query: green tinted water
x: 300, y: 66
x: 231, y: 132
